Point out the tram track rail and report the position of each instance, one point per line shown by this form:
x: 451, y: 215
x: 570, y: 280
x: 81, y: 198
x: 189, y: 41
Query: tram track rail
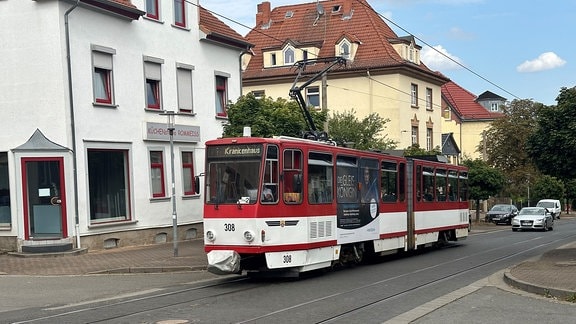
x: 124, y: 309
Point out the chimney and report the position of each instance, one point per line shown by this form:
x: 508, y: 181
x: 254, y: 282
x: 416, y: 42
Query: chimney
x: 347, y: 8
x: 263, y: 14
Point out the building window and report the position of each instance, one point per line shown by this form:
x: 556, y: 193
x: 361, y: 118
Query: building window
x: 428, y: 98
x: 345, y: 50
x: 289, y: 56
x: 153, y: 74
x: 414, y: 95
x: 494, y: 107
x: 304, y: 54
x: 313, y: 97
x: 429, y: 139
x: 273, y: 59
x: 108, y: 185
x: 180, y: 13
x: 188, y: 180
x: 5, y: 211
x: 152, y: 10
x: 414, y: 135
x: 259, y: 94
x: 157, y: 174
x: 185, y: 90
x: 446, y: 112
x: 102, y: 74
x: 221, y: 96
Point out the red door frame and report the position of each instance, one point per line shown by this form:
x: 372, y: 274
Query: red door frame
x: 60, y: 161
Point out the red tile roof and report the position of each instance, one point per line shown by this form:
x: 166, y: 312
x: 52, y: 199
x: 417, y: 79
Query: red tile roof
x: 219, y: 31
x: 464, y: 104
x: 305, y: 26
x: 121, y: 7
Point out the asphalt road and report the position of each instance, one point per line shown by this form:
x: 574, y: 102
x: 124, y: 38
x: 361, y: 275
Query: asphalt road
x: 460, y: 283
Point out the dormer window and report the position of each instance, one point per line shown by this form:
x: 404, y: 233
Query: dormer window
x: 345, y: 50
x: 289, y: 56
x: 336, y: 8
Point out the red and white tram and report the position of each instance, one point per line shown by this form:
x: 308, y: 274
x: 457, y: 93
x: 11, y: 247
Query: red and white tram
x: 295, y: 205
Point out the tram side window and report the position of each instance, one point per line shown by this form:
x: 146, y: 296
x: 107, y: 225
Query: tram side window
x: 441, y: 183
x: 389, y: 181
x: 292, y: 176
x: 419, y: 183
x: 402, y: 182
x: 320, y: 179
x: 452, y: 185
x: 428, y: 183
x: 463, y: 186
x: 270, y: 183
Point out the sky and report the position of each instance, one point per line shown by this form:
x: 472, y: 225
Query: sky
x: 515, y: 49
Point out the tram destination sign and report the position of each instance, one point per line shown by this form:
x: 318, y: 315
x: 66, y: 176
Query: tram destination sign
x: 230, y: 151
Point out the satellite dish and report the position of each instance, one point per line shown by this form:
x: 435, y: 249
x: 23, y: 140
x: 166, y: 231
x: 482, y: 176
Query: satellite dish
x: 320, y: 9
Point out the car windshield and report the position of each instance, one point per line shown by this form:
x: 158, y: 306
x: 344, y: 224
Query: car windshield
x: 546, y: 204
x: 532, y: 211
x: 501, y: 208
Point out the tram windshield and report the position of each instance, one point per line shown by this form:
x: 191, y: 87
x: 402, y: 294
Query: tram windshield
x: 233, y: 179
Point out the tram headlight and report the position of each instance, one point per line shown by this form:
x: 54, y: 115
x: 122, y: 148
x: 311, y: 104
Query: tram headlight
x: 210, y: 236
x: 249, y: 236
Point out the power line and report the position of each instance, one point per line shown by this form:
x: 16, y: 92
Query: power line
x: 432, y: 47
x: 367, y: 76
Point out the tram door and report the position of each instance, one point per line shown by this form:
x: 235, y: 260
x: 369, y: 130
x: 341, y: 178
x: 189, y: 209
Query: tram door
x: 43, y: 190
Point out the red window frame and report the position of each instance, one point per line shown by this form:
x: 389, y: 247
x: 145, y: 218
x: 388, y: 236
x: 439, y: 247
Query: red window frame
x: 154, y: 87
x: 157, y: 164
x: 221, y: 85
x: 188, y: 164
x: 180, y: 7
x: 105, y: 77
x: 152, y: 9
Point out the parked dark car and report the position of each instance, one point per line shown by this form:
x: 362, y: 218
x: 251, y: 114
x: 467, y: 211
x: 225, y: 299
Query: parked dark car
x: 501, y: 214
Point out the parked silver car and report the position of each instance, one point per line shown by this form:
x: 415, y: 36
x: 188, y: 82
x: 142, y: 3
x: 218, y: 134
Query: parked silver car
x: 534, y: 218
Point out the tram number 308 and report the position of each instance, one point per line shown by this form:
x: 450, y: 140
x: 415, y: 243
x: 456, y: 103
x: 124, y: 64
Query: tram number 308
x: 229, y: 227
x: 287, y: 258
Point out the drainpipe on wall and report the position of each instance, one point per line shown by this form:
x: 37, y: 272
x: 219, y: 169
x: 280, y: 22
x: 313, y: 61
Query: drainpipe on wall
x: 72, y: 123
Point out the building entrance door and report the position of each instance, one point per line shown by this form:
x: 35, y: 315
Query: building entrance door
x: 44, y: 198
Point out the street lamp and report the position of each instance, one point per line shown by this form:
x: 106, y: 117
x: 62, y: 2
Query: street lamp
x: 171, y: 126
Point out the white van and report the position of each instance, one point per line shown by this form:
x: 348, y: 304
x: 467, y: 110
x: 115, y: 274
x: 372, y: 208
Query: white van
x: 553, y: 206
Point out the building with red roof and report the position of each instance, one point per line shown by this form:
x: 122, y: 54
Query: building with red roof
x: 85, y: 151
x: 466, y: 117
x: 383, y: 72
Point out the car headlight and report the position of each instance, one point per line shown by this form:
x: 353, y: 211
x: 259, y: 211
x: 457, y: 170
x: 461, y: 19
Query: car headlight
x: 211, y: 236
x: 249, y: 236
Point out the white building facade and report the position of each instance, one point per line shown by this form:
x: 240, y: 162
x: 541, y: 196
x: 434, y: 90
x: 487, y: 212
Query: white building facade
x: 85, y: 151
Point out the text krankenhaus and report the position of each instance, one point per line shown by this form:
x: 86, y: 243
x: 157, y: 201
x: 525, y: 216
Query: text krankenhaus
x: 241, y: 150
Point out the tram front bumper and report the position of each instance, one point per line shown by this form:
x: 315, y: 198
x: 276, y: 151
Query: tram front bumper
x: 222, y: 262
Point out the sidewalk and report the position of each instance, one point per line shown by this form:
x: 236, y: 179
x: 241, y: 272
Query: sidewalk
x: 552, y: 274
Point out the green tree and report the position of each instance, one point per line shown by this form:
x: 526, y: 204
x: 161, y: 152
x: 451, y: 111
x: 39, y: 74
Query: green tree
x: 570, y: 186
x: 268, y: 117
x: 483, y: 182
x: 416, y: 150
x: 345, y: 129
x: 551, y: 145
x: 505, y: 142
x: 548, y: 187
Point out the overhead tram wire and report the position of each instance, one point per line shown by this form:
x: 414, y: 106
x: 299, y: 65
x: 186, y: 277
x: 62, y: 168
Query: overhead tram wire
x: 446, y: 56
x: 362, y: 74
